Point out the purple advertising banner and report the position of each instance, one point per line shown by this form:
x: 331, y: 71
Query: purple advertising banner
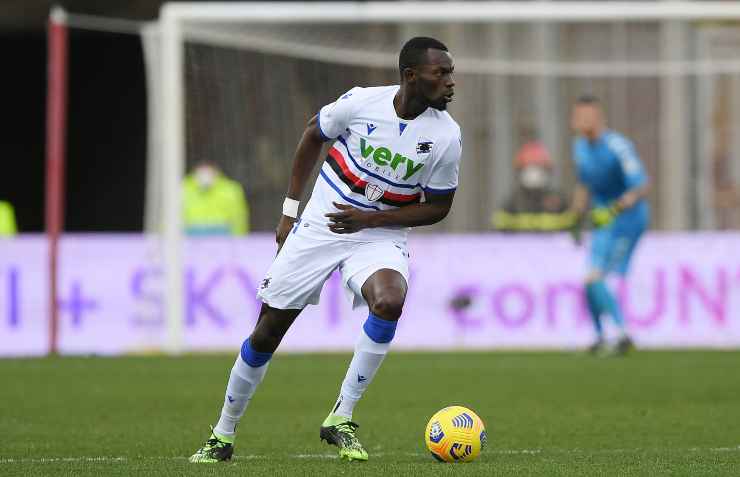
x: 485, y: 291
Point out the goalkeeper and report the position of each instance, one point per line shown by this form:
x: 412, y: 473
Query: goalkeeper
x: 612, y: 181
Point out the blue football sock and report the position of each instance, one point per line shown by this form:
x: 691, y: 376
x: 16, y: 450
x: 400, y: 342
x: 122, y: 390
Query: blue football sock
x: 594, y: 309
x: 379, y: 330
x: 608, y: 303
x: 253, y: 358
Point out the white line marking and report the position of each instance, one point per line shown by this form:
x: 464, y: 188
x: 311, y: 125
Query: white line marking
x: 114, y: 459
x: 316, y: 456
x: 512, y: 451
x: 44, y: 460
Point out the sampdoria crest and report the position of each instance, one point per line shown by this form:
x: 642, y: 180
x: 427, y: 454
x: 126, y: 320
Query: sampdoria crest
x: 373, y: 192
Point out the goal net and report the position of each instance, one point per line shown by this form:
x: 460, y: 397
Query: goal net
x: 250, y: 85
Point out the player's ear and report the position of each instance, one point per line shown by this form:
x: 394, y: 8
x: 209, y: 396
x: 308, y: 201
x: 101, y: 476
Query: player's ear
x: 409, y: 75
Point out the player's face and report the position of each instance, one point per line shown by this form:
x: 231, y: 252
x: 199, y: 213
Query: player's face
x: 586, y: 120
x: 434, y: 80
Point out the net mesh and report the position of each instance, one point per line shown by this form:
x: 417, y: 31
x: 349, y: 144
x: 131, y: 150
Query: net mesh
x: 674, y: 89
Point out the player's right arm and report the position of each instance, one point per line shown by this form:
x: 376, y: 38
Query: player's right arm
x: 581, y: 199
x: 328, y: 124
x: 304, y: 160
x: 578, y: 207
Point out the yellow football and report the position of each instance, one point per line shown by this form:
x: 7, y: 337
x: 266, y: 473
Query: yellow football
x: 455, y: 434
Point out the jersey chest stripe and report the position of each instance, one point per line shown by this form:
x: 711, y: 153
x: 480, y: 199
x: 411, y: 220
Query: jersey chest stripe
x: 439, y: 191
x: 357, y: 185
x: 380, y: 178
x: 338, y: 163
x: 406, y: 199
x: 339, y: 191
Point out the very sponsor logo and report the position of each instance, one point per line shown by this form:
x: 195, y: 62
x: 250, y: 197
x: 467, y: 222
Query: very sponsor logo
x: 383, y: 156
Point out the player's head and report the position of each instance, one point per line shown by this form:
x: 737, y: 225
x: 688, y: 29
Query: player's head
x: 534, y: 165
x: 587, y: 118
x: 205, y: 173
x: 426, y: 69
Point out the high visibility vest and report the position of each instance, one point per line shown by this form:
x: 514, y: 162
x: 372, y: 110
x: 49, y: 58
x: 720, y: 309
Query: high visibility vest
x: 532, y: 221
x: 220, y: 209
x: 7, y: 220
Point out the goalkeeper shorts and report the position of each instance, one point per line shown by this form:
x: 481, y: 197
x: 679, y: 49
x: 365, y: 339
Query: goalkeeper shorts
x: 612, y: 248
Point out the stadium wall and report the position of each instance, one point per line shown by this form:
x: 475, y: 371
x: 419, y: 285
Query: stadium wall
x: 484, y: 291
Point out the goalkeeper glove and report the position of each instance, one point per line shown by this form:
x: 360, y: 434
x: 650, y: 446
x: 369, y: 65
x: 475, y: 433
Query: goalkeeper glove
x: 603, y: 216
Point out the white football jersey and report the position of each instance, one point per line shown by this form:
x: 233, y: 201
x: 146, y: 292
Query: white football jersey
x: 380, y: 161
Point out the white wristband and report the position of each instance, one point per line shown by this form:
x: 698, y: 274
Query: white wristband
x: 290, y: 207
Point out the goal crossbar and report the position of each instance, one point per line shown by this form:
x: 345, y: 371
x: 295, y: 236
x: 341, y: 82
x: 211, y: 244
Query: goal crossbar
x: 465, y: 11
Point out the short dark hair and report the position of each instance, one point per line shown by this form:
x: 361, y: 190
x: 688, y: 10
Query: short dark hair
x: 588, y: 99
x: 414, y: 52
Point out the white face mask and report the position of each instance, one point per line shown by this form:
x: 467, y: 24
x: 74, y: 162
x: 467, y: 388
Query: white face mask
x: 205, y: 176
x: 534, y: 177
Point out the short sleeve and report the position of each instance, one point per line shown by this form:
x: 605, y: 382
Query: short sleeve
x: 444, y: 175
x: 334, y: 118
x: 632, y: 169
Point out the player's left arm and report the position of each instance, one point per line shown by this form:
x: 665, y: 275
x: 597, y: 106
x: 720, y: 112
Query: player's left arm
x: 351, y: 219
x: 632, y: 196
x: 439, y: 192
x: 634, y: 173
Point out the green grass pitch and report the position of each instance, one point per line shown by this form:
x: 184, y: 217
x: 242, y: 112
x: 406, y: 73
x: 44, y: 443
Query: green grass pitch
x: 548, y: 414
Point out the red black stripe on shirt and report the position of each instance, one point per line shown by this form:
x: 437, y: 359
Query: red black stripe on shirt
x: 336, y: 161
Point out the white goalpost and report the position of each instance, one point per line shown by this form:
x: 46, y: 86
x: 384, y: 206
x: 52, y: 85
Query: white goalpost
x: 228, y: 25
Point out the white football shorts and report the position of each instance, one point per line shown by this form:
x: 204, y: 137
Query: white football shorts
x: 309, y: 256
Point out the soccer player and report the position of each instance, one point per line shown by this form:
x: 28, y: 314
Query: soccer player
x: 394, y: 165
x: 612, y: 180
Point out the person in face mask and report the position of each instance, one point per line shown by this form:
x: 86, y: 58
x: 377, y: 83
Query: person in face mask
x: 213, y: 204
x: 534, y: 166
x: 8, y: 227
x: 534, y: 206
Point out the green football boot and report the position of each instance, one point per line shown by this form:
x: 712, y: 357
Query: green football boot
x: 216, y: 449
x: 340, y: 431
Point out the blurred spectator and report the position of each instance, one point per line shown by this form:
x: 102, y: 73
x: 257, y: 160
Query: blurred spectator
x: 8, y: 227
x: 213, y: 204
x: 726, y: 193
x: 534, y: 205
